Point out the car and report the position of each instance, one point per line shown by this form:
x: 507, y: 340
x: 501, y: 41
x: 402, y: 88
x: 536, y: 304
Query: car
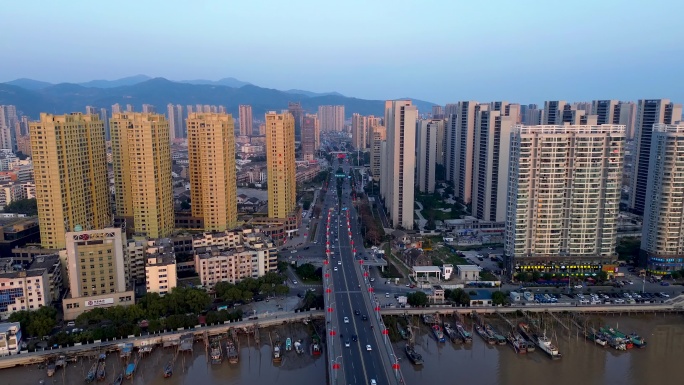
x: 368, y: 348
x: 372, y: 279
x: 346, y: 320
x: 355, y: 338
x: 386, y: 295
x: 578, y: 286
x: 335, y: 268
x: 347, y: 343
x: 357, y: 312
x: 71, y: 323
x: 364, y: 317
x: 295, y: 282
x: 339, y: 262
x: 373, y: 382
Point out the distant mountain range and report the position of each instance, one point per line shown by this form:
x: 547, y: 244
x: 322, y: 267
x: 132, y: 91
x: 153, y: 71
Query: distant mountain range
x: 33, y: 96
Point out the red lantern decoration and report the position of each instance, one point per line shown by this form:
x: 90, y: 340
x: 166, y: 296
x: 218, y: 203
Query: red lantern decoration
x: 365, y: 274
x: 395, y: 366
x: 370, y: 289
x: 325, y: 262
x: 330, y: 310
x: 385, y: 332
x: 328, y: 290
x: 332, y: 333
x: 327, y: 275
x: 336, y: 366
x: 361, y: 262
x: 377, y: 308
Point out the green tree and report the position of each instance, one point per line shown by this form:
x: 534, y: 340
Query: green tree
x: 628, y: 248
x: 282, y: 290
x: 602, y: 276
x: 498, y: 298
x: 535, y: 276
x: 23, y: 206
x: 460, y: 297
x: 417, y: 299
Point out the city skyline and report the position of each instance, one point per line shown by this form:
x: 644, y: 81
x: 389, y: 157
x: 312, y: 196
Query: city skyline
x: 577, y: 69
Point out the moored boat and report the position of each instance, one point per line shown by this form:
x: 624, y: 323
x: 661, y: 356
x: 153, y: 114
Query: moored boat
x: 485, y: 336
x: 526, y: 333
x: 316, y: 347
x: 517, y: 342
x: 130, y: 368
x: 276, y: 353
x: 299, y: 348
x: 118, y: 380
x: 61, y: 362
x: 288, y: 344
x: 439, y: 334
x: 465, y: 335
x: 498, y: 338
x: 216, y: 352
x: 231, y: 352
x: 413, y: 356
x: 168, y: 369
x: 402, y: 331
x: 51, y: 367
x: 451, y: 333
x: 90, y: 377
x: 637, y: 340
x: 102, y: 367
x: 548, y: 347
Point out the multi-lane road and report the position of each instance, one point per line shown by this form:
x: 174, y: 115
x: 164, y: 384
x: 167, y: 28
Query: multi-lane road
x: 353, y: 326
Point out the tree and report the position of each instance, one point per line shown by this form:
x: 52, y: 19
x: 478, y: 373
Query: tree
x: 498, y: 298
x: 602, y: 276
x: 23, y: 206
x: 417, y: 299
x: 535, y: 276
x: 460, y: 297
x: 628, y: 248
x: 282, y: 290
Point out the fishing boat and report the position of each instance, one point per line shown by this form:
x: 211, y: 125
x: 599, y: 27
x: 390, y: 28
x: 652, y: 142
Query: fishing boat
x: 597, y: 337
x: 617, y: 338
x: 102, y: 367
x: 276, y: 353
x: 216, y: 353
x: 118, y: 380
x: 168, y: 369
x: 288, y: 344
x: 437, y: 331
x: 413, y: 356
x: 518, y: 343
x: 485, y: 336
x: 145, y: 350
x: 526, y: 333
x: 548, y: 347
x: 90, y: 377
x: 130, y: 368
x: 498, y: 338
x: 451, y: 333
x: 61, y: 362
x: 315, y: 347
x: 402, y: 331
x: 465, y: 335
x: 51, y: 367
x: 126, y: 351
x: 298, y: 347
x: 428, y: 319
x: 232, y: 352
x: 637, y: 340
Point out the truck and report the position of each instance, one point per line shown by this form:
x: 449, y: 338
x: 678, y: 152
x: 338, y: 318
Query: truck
x: 528, y: 296
x: 515, y: 296
x: 402, y: 300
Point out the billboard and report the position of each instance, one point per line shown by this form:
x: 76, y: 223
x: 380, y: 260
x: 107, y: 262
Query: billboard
x: 99, y: 302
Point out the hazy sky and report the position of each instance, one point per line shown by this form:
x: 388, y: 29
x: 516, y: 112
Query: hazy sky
x: 441, y: 51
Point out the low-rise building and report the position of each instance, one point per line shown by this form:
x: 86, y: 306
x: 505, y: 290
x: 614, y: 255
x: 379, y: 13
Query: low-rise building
x: 245, y: 254
x: 160, y: 274
x: 468, y: 272
x: 17, y: 230
x: 55, y: 274
x: 23, y: 290
x: 10, y: 338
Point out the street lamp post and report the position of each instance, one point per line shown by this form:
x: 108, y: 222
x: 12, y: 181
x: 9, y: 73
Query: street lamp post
x: 395, y: 366
x: 335, y: 366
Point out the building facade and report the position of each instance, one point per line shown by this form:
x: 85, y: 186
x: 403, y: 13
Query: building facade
x: 23, y: 290
x: 310, y: 130
x: 427, y: 148
x: 563, y: 198
x: 490, y: 165
x: 397, y: 182
x: 95, y: 266
x: 141, y: 157
x: 297, y: 112
x: 359, y: 130
x: 281, y: 167
x: 70, y: 171
x: 378, y: 136
x: 213, y: 186
x: 649, y: 113
x: 331, y: 118
x: 246, y: 120
x: 662, y: 251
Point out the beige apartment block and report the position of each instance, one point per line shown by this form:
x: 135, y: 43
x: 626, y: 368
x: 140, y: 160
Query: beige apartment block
x: 213, y: 186
x: 160, y: 274
x: 23, y: 290
x: 359, y: 131
x: 564, y: 195
x: 141, y: 157
x: 280, y: 164
x: 233, y: 265
x: 310, y: 136
x: 70, y: 171
x: 399, y: 162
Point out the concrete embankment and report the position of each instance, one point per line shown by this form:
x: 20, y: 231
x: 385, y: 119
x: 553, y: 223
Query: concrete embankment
x: 28, y: 358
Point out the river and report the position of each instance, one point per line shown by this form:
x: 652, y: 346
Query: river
x: 446, y: 363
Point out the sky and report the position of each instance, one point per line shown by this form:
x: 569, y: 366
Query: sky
x: 524, y: 51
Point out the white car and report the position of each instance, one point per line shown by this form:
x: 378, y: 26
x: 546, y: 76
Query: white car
x: 373, y: 382
x: 339, y: 262
x: 346, y: 320
x: 335, y: 268
x: 368, y: 348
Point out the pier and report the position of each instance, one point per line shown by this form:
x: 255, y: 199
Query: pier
x: 168, y: 339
